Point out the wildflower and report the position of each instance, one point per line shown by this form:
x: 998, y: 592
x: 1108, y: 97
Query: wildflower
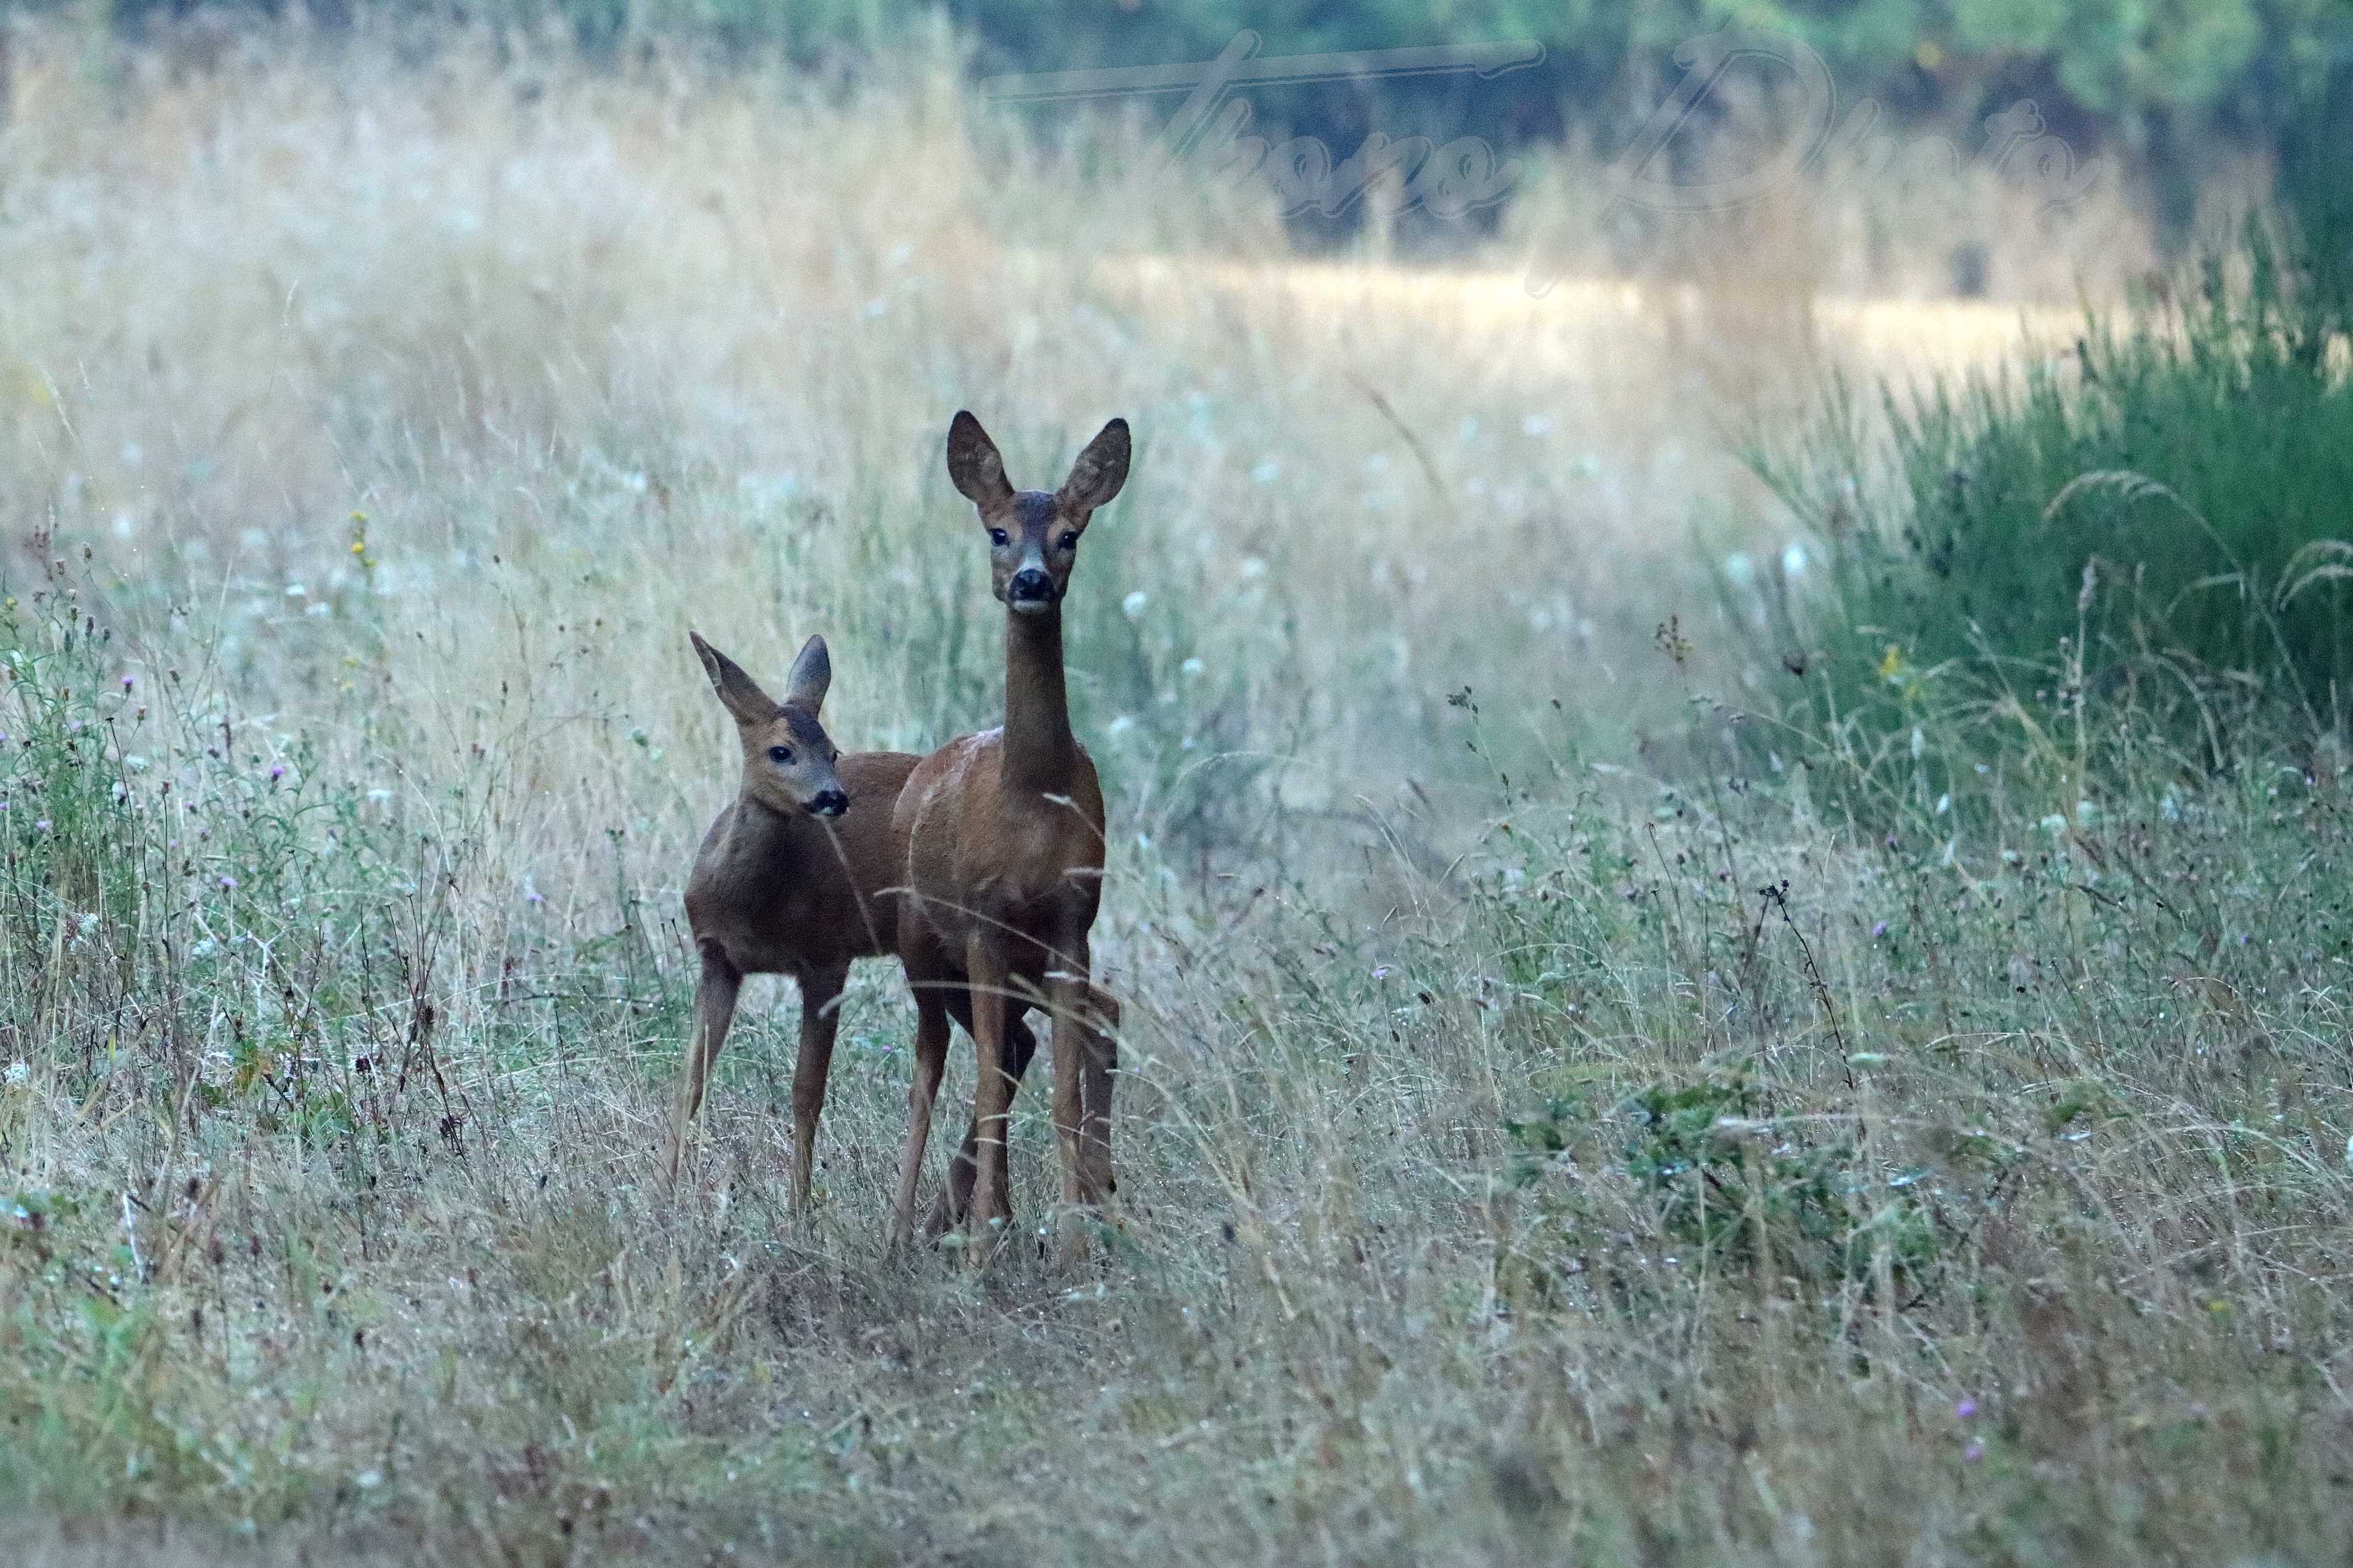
x: 42, y: 826
x: 1133, y: 606
x: 1966, y: 1409
x: 229, y: 884
x: 126, y: 683
x: 276, y: 772
x: 1878, y: 930
x: 1974, y: 1452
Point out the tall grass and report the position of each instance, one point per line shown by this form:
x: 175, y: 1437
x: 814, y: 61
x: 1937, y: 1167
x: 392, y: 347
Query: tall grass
x: 1549, y: 1132
x: 2162, y: 504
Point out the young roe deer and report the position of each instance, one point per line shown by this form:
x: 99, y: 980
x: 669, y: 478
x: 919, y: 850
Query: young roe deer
x: 1003, y: 834
x: 795, y: 878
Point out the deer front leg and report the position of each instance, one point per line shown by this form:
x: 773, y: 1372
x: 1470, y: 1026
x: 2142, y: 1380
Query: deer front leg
x: 984, y: 970
x: 931, y: 1060
x: 715, y: 1009
x: 820, y: 1018
x: 954, y: 1205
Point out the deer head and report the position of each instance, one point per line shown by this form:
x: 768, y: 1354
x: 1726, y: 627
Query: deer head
x: 1033, y: 535
x: 788, y: 756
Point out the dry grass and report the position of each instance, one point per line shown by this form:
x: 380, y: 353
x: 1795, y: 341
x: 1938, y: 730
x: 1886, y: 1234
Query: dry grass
x: 394, y: 425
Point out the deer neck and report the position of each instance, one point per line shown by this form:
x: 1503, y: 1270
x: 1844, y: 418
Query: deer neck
x: 760, y: 835
x: 1041, y: 752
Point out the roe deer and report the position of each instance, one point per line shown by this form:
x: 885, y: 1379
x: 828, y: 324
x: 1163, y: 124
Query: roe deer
x: 794, y: 878
x: 1003, y: 834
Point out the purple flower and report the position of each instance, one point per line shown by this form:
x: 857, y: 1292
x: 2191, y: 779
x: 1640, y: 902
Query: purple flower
x: 126, y: 683
x: 276, y: 772
x: 42, y: 826
x: 1879, y: 931
x: 1966, y: 1409
x: 1974, y: 1452
x: 227, y: 883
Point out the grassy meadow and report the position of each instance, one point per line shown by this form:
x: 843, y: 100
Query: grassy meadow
x: 1580, y: 1101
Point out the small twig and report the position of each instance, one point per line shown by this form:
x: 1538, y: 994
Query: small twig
x: 1413, y: 442
x: 1777, y: 896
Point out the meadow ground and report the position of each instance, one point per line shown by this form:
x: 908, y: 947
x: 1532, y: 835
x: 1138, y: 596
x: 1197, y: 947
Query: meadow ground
x: 1552, y: 1130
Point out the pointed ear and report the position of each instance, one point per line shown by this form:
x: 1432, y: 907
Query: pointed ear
x: 973, y: 465
x: 1101, y: 469
x: 738, y: 692
x: 812, y: 673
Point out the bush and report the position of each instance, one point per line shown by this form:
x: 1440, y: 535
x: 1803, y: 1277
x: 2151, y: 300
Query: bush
x: 2168, y: 505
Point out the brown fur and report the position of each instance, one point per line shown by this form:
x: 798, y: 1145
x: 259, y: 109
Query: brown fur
x: 777, y: 889
x: 1004, y: 834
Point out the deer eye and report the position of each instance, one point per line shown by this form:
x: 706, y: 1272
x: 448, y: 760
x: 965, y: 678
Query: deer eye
x: 780, y: 753
x: 997, y: 537
x: 1069, y: 541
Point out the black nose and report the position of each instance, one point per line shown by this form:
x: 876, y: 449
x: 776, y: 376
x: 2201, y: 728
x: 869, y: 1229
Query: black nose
x: 1030, y: 583
x: 828, y: 802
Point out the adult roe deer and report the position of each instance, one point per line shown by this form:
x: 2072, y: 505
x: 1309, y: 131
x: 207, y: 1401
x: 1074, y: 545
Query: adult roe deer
x: 1004, y: 834
x: 795, y: 878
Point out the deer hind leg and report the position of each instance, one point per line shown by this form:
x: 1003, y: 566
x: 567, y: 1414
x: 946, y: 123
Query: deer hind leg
x: 954, y: 1205
x: 714, y: 1010
x: 820, y: 1019
x: 1101, y: 1029
x: 992, y: 1098
x: 1071, y: 995
x: 931, y: 1060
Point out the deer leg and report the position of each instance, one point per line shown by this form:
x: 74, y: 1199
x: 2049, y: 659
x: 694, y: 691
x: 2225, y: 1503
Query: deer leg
x: 984, y: 970
x: 820, y: 1018
x: 931, y: 1060
x: 715, y: 1009
x: 954, y: 1201
x: 1069, y: 996
x: 1102, y: 1033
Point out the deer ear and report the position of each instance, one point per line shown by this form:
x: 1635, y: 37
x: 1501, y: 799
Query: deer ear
x: 812, y: 673
x: 1100, y: 472
x: 973, y: 465
x: 738, y: 692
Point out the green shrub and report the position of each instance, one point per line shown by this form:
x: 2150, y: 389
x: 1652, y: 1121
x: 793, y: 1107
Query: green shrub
x: 2168, y: 508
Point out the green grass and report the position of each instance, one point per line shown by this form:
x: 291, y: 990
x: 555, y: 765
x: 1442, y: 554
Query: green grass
x: 2164, y: 506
